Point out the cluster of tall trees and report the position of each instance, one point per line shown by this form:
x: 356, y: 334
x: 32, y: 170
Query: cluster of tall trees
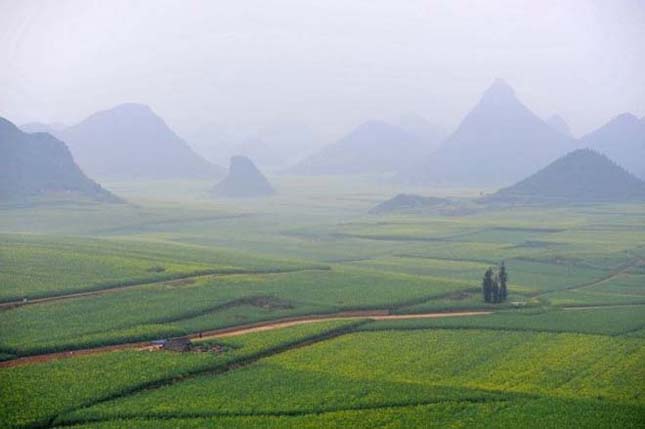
x: 494, y: 284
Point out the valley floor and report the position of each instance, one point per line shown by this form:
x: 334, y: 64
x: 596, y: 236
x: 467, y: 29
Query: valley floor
x: 304, y: 311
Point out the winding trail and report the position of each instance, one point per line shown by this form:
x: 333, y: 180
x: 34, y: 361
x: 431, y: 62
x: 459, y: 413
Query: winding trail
x: 177, y: 281
x: 625, y: 268
x: 271, y: 324
x: 372, y: 315
x: 241, y: 330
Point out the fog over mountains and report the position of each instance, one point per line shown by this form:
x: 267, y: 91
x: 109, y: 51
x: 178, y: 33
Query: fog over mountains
x: 623, y: 140
x: 429, y: 134
x: 39, y: 164
x: 280, y: 146
x: 374, y: 147
x: 40, y: 127
x: 580, y: 176
x: 244, y: 180
x: 560, y: 125
x: 499, y: 141
x: 273, y: 147
x: 130, y: 141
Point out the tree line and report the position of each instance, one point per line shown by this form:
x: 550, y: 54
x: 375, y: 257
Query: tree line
x: 494, y: 284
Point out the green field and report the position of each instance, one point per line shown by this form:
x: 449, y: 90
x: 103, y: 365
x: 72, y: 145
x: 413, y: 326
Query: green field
x: 72, y: 383
x: 566, y: 350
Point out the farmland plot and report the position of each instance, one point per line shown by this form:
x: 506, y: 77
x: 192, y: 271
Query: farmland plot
x: 384, y: 370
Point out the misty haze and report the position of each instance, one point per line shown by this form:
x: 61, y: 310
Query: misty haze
x: 322, y: 214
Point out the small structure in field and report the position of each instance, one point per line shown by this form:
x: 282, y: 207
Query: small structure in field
x: 181, y: 344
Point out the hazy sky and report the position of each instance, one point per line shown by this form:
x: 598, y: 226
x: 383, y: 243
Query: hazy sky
x: 328, y: 63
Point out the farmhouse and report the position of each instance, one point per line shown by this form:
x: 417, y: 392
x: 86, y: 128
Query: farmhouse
x: 181, y: 344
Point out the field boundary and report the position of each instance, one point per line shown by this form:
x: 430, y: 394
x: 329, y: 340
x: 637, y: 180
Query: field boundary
x: 622, y: 269
x: 216, y: 369
x: 496, y: 328
x: 240, y: 330
x: 104, y: 289
x: 296, y: 413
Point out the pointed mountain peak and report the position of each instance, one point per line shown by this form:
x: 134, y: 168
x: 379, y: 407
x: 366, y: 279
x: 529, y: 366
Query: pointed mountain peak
x: 243, y: 180
x: 579, y: 176
x: 132, y: 107
x: 127, y: 110
x: 500, y: 90
x: 131, y: 141
x: 128, y: 113
x: 241, y: 163
x: 499, y: 141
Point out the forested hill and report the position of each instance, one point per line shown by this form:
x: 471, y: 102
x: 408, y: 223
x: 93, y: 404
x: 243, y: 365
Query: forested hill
x: 580, y: 176
x: 39, y: 164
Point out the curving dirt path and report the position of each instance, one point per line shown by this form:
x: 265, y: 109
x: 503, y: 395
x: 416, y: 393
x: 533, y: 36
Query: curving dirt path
x: 241, y: 330
x: 372, y: 315
x: 177, y: 281
x: 96, y: 292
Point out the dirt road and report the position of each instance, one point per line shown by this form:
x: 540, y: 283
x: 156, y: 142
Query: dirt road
x: 373, y: 315
x: 241, y: 330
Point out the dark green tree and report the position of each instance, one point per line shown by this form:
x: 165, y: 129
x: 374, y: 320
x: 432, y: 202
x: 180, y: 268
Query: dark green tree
x: 494, y: 291
x: 487, y: 285
x: 503, y: 280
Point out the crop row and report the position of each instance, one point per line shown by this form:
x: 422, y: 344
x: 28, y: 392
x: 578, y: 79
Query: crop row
x: 562, y: 364
x: 604, y: 321
x: 387, y: 369
x: 36, y: 394
x: 525, y: 413
x: 41, y: 266
x: 198, y: 306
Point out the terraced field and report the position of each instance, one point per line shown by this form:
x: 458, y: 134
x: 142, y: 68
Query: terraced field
x: 566, y: 350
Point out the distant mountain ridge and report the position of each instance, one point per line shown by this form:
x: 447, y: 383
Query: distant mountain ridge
x: 38, y: 164
x: 623, y: 140
x: 276, y: 146
x: 243, y: 180
x: 41, y: 127
x: 279, y: 146
x: 580, y: 176
x: 374, y: 147
x: 426, y: 132
x: 499, y: 141
x: 130, y: 141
